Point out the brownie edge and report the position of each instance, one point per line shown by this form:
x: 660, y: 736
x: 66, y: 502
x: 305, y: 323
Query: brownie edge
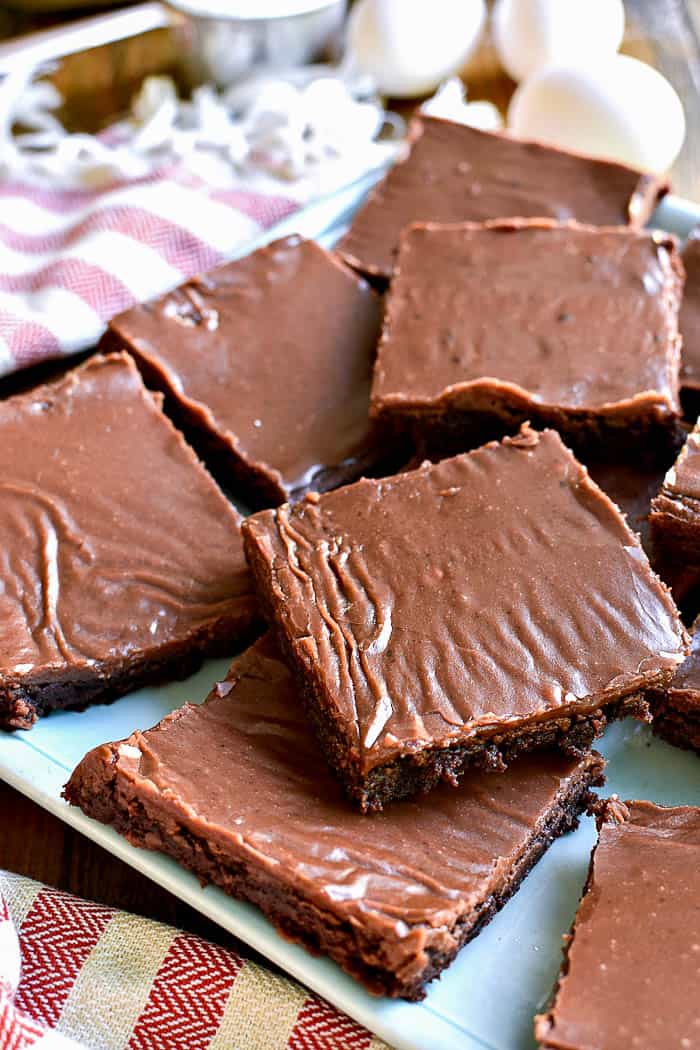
x: 233, y: 789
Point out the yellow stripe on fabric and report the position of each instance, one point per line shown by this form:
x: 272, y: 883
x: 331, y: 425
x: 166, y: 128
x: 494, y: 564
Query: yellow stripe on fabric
x: 112, y: 987
x: 261, y: 1011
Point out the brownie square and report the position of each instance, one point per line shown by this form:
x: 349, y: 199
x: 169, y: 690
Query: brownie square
x: 266, y: 364
x: 569, y: 326
x: 675, y: 512
x: 122, y: 563
x: 676, y: 709
x: 233, y: 789
x: 454, y: 173
x: 630, y: 978
x: 690, y: 327
x: 461, y: 613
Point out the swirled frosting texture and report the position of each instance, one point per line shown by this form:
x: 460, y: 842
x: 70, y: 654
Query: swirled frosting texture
x: 634, y: 960
x: 243, y: 774
x: 114, y: 540
x: 492, y: 590
x: 471, y: 314
x: 272, y: 356
x: 455, y: 174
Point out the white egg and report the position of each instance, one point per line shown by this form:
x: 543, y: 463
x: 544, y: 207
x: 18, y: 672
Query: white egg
x: 621, y: 110
x: 530, y: 34
x: 409, y: 46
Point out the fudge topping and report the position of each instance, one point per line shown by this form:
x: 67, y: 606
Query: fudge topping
x: 496, y: 587
x: 243, y: 770
x: 634, y: 962
x: 562, y: 315
x: 683, y: 478
x: 113, y: 538
x: 272, y: 353
x: 455, y: 173
x: 690, y: 313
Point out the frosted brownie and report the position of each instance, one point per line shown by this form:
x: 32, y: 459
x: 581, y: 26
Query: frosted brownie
x: 234, y: 790
x: 454, y: 173
x: 630, y: 978
x: 675, y: 511
x: 122, y: 562
x: 676, y: 709
x: 266, y: 364
x: 690, y: 327
x: 569, y: 326
x: 461, y: 613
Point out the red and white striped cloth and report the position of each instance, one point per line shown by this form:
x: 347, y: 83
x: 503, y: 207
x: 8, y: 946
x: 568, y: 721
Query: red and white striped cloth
x: 77, y: 975
x: 70, y: 260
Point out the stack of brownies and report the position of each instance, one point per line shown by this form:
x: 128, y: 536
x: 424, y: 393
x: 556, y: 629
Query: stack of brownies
x: 447, y: 636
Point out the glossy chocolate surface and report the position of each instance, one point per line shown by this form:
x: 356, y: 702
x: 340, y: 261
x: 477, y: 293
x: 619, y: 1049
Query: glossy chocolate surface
x: 455, y: 173
x: 242, y: 773
x: 540, y: 316
x: 634, y: 962
x: 270, y: 356
x: 114, y: 541
x: 494, y: 590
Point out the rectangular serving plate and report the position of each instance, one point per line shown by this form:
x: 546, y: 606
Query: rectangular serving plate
x: 488, y: 997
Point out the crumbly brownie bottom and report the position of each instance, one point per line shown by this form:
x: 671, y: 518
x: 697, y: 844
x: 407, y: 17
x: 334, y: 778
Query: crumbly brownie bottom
x: 23, y: 702
x: 317, y: 930
x: 675, y: 725
x: 415, y: 774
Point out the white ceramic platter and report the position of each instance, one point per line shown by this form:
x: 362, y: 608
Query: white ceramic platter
x: 488, y: 996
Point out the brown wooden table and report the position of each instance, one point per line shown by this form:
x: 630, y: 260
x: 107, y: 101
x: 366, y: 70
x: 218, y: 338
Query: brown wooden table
x: 34, y: 843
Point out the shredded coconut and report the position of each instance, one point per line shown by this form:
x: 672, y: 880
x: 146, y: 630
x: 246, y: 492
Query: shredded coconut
x: 312, y: 130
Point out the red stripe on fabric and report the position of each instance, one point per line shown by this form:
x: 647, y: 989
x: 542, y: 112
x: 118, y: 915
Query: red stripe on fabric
x: 179, y: 246
x: 264, y: 210
x: 28, y: 342
x: 56, y: 938
x: 187, y: 998
x: 17, y: 1032
x: 106, y: 294
x: 320, y: 1026
x: 61, y: 201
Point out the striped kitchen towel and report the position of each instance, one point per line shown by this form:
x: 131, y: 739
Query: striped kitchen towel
x: 77, y: 975
x: 71, y: 259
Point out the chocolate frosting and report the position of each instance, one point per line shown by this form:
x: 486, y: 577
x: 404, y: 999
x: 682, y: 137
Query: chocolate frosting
x: 455, y: 173
x: 242, y: 772
x: 543, y: 315
x: 501, y: 587
x: 271, y: 355
x: 690, y: 313
x: 114, y: 540
x: 634, y: 962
